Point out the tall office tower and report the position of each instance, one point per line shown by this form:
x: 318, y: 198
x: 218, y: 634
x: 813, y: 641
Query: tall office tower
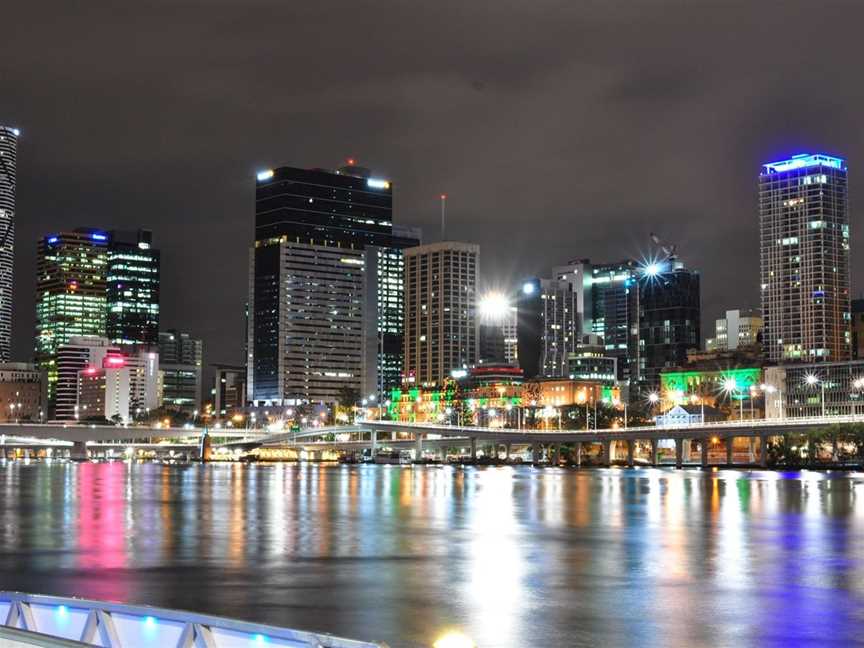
x: 385, y: 293
x: 548, y: 327
x: 133, y: 290
x: 325, y: 276
x: 441, y: 324
x: 667, y: 300
x: 8, y: 166
x: 804, y: 254
x: 739, y: 328
x: 180, y: 362
x: 603, y: 298
x: 77, y: 353
x: 70, y: 293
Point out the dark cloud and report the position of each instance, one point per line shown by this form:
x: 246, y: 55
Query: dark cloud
x: 558, y: 129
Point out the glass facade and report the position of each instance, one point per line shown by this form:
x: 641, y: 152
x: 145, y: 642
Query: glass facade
x: 70, y: 292
x: 668, y: 307
x: 133, y: 290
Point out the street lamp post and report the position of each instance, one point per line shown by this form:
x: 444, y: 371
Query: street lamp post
x: 812, y: 379
x: 858, y: 384
x: 653, y: 399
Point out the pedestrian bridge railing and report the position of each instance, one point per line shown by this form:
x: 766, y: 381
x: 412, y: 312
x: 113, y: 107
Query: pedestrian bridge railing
x: 54, y: 622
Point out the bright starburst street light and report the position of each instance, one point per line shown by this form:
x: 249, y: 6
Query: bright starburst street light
x: 494, y: 307
x: 810, y: 379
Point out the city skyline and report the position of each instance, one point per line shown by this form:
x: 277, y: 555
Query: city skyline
x: 571, y: 161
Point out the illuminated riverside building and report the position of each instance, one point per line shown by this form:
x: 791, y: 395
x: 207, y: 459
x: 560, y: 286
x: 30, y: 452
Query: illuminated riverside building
x: 725, y: 389
x: 326, y: 286
x: 70, y: 292
x: 132, y: 284
x: 804, y: 255
x: 441, y: 323
x: 73, y: 356
x: 22, y: 392
x: 829, y: 388
x: 8, y: 172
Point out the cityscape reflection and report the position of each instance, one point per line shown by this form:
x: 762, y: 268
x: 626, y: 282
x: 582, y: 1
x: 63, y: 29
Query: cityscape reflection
x: 503, y: 556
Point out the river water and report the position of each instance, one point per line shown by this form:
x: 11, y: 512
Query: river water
x: 508, y: 556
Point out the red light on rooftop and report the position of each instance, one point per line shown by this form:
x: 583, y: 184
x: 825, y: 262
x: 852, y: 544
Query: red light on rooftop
x: 90, y: 371
x: 443, y: 196
x: 114, y: 361
x: 351, y: 161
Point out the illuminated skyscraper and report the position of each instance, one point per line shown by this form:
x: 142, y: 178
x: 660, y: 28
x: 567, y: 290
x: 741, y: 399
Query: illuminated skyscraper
x: 133, y: 290
x: 804, y: 254
x: 441, y: 324
x: 548, y: 327
x: 8, y: 167
x: 70, y: 292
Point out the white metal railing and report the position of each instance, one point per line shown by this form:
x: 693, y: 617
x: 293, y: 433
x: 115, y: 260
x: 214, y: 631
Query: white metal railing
x: 61, y: 620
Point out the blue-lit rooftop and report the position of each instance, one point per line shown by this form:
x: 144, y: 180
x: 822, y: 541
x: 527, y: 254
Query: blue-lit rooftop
x: 803, y: 160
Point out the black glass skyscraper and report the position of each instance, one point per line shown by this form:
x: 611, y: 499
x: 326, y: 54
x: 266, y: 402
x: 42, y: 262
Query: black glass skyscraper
x: 667, y: 300
x: 325, y: 278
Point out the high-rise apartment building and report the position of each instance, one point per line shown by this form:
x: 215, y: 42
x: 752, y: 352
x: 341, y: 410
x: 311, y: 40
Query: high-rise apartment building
x: 441, y: 324
x: 180, y: 362
x: 326, y: 281
x: 70, y: 293
x: 132, y: 284
x: 666, y: 297
x: 8, y: 171
x: 804, y: 255
x: 549, y: 326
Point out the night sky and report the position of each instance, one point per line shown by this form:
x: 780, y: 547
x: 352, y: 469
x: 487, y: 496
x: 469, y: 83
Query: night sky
x: 559, y: 130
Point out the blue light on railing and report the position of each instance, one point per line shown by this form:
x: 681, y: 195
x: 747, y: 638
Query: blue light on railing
x: 96, y: 236
x: 260, y: 639
x: 52, y: 240
x: 803, y: 160
x: 62, y: 611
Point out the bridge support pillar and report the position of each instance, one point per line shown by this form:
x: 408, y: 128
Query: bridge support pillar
x: 556, y: 456
x: 751, y: 449
x: 654, y: 451
x: 473, y: 449
x: 703, y: 443
x: 607, y: 453
x: 812, y: 451
x: 535, y: 454
x: 507, y: 452
x: 418, y: 446
x: 79, y: 451
x: 578, y: 454
x: 679, y: 453
x: 373, y: 437
x: 763, y: 451
x: 835, y: 454
x: 631, y: 445
x: 730, y: 444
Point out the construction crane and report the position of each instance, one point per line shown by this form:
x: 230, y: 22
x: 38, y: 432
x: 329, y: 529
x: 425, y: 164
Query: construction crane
x: 668, y: 250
